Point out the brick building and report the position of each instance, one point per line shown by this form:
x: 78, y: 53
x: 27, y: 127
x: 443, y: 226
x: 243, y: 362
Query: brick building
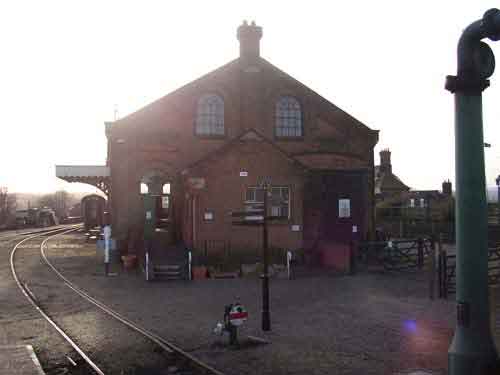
x: 206, y: 147
x: 387, y: 184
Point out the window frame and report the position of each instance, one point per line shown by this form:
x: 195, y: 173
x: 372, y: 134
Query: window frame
x: 276, y: 117
x: 197, y: 114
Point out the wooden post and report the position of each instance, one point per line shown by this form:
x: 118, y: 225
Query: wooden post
x: 432, y: 280
x: 440, y: 266
x: 420, y: 253
x: 352, y: 258
x: 445, y: 274
x: 493, y: 309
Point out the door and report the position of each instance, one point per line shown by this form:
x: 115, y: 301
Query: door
x: 334, y: 212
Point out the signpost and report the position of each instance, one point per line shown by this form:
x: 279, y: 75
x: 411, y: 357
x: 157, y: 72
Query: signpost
x: 256, y: 215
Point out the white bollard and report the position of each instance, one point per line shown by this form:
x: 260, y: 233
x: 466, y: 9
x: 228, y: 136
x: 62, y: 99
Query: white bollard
x: 190, y: 259
x: 288, y: 262
x: 107, y: 240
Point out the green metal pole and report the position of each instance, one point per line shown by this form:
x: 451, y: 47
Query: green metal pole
x: 472, y: 350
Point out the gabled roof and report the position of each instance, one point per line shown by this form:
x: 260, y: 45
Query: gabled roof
x: 249, y: 134
x: 332, y: 106
x: 157, y: 105
x: 165, y: 99
x: 388, y: 182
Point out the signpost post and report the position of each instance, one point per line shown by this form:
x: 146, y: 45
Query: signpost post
x: 256, y: 215
x: 266, y: 316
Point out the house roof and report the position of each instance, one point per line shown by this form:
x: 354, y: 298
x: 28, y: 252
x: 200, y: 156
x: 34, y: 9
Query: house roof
x: 333, y: 107
x: 158, y: 104
x: 388, y: 182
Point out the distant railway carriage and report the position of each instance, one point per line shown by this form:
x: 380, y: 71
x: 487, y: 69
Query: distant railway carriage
x: 36, y: 217
x: 93, y: 210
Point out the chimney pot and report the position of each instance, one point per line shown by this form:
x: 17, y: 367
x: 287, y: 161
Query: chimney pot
x: 249, y: 37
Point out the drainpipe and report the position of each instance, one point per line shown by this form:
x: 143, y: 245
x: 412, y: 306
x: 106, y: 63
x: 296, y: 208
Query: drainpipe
x: 472, y: 350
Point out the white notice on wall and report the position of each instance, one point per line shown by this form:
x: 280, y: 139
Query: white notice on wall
x: 243, y: 174
x: 344, y: 208
x: 354, y: 229
x: 295, y: 228
x: 148, y: 215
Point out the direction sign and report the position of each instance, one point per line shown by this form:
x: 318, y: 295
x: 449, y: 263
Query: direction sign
x: 247, y: 213
x: 249, y: 223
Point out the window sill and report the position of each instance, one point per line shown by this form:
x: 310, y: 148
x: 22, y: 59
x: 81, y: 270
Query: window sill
x: 208, y: 136
x: 289, y: 139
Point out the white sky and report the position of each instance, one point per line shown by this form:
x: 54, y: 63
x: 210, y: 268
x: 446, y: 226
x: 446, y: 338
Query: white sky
x: 65, y: 64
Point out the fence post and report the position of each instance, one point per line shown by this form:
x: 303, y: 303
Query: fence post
x: 420, y: 253
x: 445, y: 274
x: 440, y: 265
x: 432, y: 284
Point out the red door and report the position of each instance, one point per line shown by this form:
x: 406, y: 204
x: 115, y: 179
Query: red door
x: 334, y: 212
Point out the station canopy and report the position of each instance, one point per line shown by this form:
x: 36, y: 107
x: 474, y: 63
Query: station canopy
x: 95, y: 175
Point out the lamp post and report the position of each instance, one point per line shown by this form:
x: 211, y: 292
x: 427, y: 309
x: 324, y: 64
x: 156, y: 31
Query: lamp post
x: 472, y: 350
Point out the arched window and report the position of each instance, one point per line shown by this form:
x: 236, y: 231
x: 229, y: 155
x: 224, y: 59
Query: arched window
x: 288, y: 117
x: 210, y: 115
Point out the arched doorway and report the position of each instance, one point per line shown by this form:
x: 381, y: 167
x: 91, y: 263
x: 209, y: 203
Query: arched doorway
x: 157, y: 193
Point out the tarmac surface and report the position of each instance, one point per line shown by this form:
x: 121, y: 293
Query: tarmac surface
x: 370, y: 323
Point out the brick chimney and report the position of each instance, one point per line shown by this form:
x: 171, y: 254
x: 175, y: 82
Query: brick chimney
x: 447, y: 187
x: 249, y: 37
x: 385, y: 161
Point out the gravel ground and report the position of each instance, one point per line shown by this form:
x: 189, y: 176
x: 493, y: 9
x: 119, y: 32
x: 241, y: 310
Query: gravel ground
x: 365, y: 324
x: 116, y: 349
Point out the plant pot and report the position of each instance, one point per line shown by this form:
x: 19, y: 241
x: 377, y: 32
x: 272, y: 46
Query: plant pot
x: 199, y: 272
x: 129, y: 261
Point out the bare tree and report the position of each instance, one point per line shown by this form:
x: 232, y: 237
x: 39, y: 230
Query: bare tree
x: 7, y: 207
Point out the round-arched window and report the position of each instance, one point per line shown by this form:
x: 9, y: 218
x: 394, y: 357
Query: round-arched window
x: 288, y: 117
x: 210, y: 115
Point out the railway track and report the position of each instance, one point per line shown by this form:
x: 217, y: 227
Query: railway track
x: 29, y: 231
x: 183, y: 362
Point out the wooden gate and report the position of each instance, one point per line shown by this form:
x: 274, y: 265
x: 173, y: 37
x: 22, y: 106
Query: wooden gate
x: 447, y: 271
x: 397, y: 255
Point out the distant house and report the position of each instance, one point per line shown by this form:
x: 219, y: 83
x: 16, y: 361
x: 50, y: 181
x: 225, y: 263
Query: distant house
x: 387, y: 184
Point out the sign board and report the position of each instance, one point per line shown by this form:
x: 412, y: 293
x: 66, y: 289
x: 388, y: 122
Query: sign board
x: 238, y: 315
x: 354, y: 229
x: 247, y: 213
x: 295, y: 228
x: 208, y: 216
x: 344, y: 208
x: 149, y: 216
x: 243, y: 174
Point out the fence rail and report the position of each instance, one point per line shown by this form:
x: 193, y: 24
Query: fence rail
x: 397, y: 255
